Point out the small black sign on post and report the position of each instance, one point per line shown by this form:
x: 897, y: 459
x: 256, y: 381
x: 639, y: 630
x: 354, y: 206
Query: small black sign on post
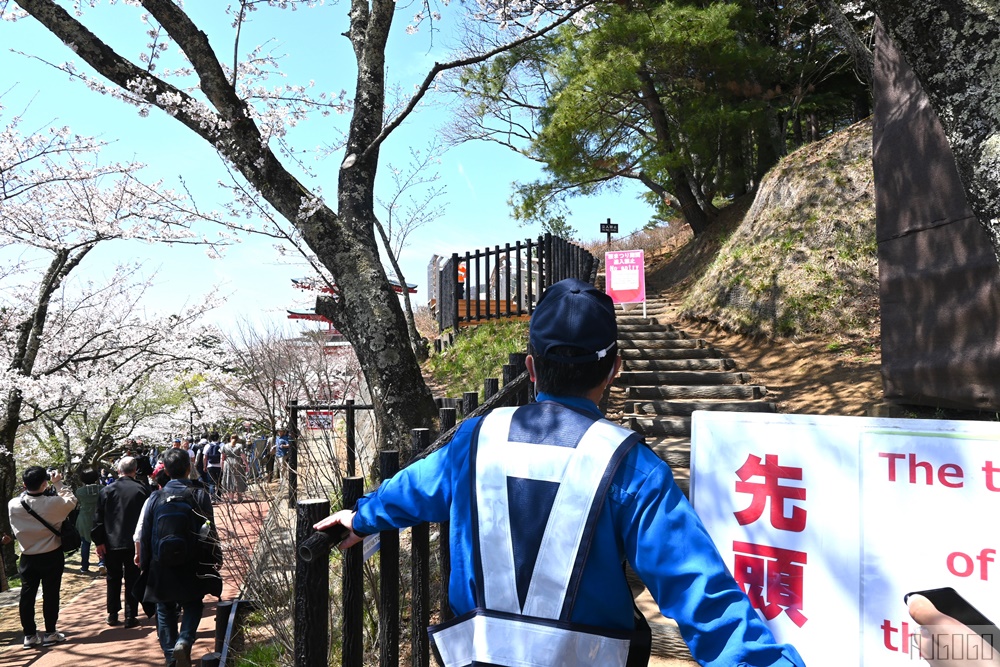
x: 609, y: 229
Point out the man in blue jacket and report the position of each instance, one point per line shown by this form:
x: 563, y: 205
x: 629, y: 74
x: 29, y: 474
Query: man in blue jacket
x: 546, y: 502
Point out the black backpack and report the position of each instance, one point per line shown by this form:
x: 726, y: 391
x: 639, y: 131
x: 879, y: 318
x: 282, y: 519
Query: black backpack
x: 213, y: 454
x: 177, y: 527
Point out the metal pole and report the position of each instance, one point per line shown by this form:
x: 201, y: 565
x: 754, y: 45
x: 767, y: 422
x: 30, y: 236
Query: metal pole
x: 292, y: 458
x: 351, y: 437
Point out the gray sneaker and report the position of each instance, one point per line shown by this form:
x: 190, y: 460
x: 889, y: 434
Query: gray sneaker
x: 32, y: 641
x: 50, y: 638
x: 182, y: 654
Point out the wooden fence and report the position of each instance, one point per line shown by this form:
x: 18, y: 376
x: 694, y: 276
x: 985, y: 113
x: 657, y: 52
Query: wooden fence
x: 503, y: 282
x: 312, y: 590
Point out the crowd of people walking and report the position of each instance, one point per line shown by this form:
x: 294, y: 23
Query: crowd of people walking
x: 150, y: 519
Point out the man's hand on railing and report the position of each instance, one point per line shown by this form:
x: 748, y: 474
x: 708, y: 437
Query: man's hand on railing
x: 344, y: 518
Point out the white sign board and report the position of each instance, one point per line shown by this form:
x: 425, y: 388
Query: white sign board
x: 827, y: 522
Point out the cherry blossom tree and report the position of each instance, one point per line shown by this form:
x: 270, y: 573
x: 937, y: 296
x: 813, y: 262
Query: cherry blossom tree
x: 228, y: 104
x: 56, y: 205
x: 114, y: 371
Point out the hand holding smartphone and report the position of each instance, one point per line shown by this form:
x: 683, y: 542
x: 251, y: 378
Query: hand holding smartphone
x: 948, y: 602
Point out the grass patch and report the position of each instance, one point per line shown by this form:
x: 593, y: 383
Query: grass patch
x: 261, y: 655
x: 479, y: 352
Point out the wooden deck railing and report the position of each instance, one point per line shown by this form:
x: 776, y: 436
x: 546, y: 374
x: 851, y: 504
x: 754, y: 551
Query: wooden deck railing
x: 503, y: 282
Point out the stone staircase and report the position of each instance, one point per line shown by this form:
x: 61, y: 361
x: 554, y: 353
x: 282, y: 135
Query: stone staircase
x: 667, y: 375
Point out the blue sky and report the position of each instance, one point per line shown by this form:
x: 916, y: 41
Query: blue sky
x: 257, y: 283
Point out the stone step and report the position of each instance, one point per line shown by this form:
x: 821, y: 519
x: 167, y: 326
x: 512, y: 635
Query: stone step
x: 644, y: 337
x: 685, y: 408
x: 721, y: 392
x: 643, y: 326
x: 670, y: 353
x: 659, y: 426
x: 679, y: 365
x: 667, y: 339
x: 628, y: 320
x: 655, y: 378
x: 667, y: 342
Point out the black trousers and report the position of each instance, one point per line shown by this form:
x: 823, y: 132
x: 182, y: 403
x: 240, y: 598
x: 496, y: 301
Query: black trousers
x: 120, y: 564
x: 45, y: 569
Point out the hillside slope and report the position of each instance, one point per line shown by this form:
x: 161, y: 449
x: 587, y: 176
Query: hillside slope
x: 787, y: 282
x: 803, y: 260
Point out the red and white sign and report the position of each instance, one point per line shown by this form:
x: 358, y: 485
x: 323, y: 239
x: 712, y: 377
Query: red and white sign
x: 317, y: 420
x: 827, y: 522
x: 625, y: 276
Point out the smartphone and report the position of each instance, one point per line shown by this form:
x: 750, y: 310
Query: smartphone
x: 948, y: 601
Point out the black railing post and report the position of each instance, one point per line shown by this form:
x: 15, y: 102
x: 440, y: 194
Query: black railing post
x: 447, y: 417
x: 507, y: 275
x: 486, y: 260
x: 440, y: 300
x: 312, y: 591
x: 478, y: 280
x: 468, y: 288
x: 292, y: 458
x: 518, y: 275
x: 352, y: 442
x: 420, y: 554
x: 388, y: 618
x: 470, y: 401
x: 453, y: 279
x: 352, y: 583
x: 490, y: 388
x: 531, y: 277
x: 549, y: 260
x: 496, y: 283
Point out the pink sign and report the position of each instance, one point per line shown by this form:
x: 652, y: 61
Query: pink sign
x: 625, y: 276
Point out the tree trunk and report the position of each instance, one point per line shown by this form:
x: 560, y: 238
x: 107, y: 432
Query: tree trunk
x: 694, y: 216
x: 8, y: 472
x: 29, y: 338
x: 952, y: 47
x: 864, y: 61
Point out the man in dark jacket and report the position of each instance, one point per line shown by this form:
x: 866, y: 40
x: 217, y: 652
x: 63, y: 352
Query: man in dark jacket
x: 118, y: 507
x: 178, y: 588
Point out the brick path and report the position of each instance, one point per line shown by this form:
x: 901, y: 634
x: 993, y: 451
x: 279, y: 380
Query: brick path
x: 90, y: 642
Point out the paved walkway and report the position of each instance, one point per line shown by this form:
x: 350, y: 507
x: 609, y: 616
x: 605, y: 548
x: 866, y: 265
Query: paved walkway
x: 90, y: 642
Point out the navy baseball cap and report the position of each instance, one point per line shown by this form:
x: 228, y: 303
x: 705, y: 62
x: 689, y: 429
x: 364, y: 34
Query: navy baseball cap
x: 575, y: 314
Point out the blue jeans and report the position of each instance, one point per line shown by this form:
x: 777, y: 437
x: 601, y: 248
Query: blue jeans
x: 166, y: 624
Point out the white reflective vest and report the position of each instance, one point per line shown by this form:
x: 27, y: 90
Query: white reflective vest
x: 522, y: 620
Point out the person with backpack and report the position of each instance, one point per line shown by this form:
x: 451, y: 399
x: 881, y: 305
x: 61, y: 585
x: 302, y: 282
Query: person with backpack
x: 281, y: 448
x: 42, y: 561
x: 118, y: 507
x: 179, y: 554
x: 213, y: 464
x: 86, y: 496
